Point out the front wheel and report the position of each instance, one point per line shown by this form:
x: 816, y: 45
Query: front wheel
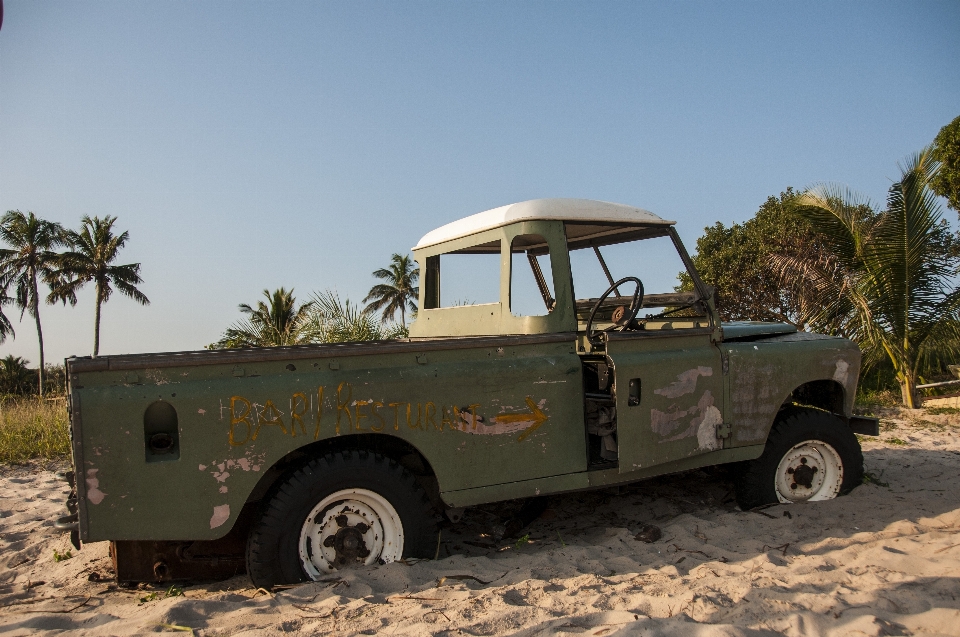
x: 810, y: 455
x: 343, y: 510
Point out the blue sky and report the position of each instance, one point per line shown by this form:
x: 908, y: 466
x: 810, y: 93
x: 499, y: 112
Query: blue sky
x: 249, y: 145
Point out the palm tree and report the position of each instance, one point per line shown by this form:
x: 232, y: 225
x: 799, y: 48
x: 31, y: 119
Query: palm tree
x: 93, y: 250
x: 400, y: 290
x: 333, y: 321
x: 6, y: 327
x: 888, y: 274
x: 277, y: 322
x: 15, y: 376
x: 29, y: 259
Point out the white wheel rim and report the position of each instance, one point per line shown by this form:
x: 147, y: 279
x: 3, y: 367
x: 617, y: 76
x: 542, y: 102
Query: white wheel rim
x: 810, y: 471
x: 351, y: 527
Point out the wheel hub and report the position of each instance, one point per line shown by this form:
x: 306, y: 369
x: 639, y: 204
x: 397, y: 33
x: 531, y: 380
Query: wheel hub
x: 810, y: 471
x: 352, y: 527
x: 803, y: 474
x: 348, y: 542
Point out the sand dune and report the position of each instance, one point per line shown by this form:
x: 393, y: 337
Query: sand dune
x: 884, y: 560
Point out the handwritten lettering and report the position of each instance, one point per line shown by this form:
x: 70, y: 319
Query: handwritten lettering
x: 430, y: 412
x: 269, y: 416
x: 248, y: 418
x: 373, y: 410
x: 396, y: 415
x: 359, y: 416
x: 316, y: 430
x: 236, y: 420
x: 448, y: 417
x: 409, y: 423
x: 343, y: 406
x: 296, y: 417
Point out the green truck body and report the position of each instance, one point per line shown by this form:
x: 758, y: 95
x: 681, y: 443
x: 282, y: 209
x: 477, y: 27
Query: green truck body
x: 479, y: 404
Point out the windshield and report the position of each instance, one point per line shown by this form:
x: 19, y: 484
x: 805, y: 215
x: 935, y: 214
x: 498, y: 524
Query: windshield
x: 653, y: 260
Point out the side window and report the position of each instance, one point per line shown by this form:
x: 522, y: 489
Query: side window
x: 531, y: 276
x: 470, y: 277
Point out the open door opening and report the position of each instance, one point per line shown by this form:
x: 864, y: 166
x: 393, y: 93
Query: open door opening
x: 600, y: 413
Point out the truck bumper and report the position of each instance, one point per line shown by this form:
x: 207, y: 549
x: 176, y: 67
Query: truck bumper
x: 865, y: 425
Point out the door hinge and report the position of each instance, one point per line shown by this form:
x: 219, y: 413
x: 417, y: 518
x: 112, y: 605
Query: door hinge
x: 724, y: 430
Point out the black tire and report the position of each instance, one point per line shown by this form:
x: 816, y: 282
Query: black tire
x: 756, y: 480
x: 273, y: 555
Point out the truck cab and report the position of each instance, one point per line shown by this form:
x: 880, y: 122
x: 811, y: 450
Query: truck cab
x: 633, y: 339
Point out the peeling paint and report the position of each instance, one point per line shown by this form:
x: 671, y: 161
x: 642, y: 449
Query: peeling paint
x: 220, y: 515
x: 201, y: 411
x: 707, y: 430
x: 505, y: 423
x: 665, y: 423
x: 157, y: 376
x: 94, y: 494
x: 842, y: 372
x: 686, y: 382
x: 221, y: 470
x: 703, y: 425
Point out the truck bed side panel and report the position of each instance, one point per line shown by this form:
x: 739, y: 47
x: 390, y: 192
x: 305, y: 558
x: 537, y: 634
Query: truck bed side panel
x: 480, y: 416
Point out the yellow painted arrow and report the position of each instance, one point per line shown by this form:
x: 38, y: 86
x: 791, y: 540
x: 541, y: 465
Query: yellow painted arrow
x: 536, y: 416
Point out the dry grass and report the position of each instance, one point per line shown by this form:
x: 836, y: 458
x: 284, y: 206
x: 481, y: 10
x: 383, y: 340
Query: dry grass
x: 31, y: 429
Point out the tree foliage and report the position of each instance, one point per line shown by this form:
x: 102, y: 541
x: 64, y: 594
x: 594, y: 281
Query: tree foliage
x: 333, y: 321
x: 6, y: 327
x: 278, y: 321
x: 93, y: 250
x: 736, y: 261
x: 322, y: 319
x: 946, y: 150
x: 400, y: 291
x: 15, y: 376
x: 895, y: 292
x: 29, y: 260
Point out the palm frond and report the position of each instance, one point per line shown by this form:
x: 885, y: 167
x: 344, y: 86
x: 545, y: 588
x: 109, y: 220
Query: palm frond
x: 896, y: 291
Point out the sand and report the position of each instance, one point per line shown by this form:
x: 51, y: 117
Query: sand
x: 884, y: 560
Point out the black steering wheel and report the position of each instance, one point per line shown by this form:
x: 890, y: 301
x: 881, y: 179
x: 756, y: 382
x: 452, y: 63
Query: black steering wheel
x: 622, y: 316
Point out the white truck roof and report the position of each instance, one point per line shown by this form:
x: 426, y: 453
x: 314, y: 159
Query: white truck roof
x: 584, y: 210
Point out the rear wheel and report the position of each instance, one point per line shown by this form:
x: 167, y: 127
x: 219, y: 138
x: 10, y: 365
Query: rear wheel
x: 344, y: 510
x: 810, y: 455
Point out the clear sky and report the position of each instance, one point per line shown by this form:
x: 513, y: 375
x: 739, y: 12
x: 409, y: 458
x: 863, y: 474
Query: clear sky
x: 252, y: 145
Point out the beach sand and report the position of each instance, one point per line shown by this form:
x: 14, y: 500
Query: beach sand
x: 884, y: 560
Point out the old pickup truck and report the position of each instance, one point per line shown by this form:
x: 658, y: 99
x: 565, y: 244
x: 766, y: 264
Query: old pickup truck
x: 540, y: 362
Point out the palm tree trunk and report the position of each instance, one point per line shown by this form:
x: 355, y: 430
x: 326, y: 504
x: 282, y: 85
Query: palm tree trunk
x: 36, y: 316
x: 96, y: 322
x: 403, y: 315
x: 908, y: 390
